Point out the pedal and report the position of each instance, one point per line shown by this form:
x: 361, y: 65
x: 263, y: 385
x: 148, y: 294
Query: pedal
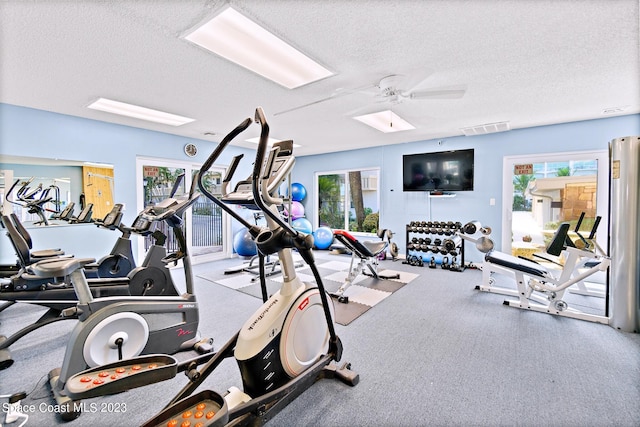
x: 206, y: 408
x: 121, y: 376
x: 235, y: 397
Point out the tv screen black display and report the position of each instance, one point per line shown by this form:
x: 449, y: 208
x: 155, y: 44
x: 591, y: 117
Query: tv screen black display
x: 440, y: 171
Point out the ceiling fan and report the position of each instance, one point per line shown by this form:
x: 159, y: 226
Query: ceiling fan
x: 389, y: 89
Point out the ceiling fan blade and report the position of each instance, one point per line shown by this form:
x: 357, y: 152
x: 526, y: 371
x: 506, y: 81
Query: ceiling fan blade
x: 416, y: 79
x: 335, y: 95
x: 299, y: 107
x: 440, y: 93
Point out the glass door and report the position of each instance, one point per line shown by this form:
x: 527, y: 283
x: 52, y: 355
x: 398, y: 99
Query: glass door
x: 543, y: 190
x: 349, y: 200
x: 205, y: 226
x: 540, y: 192
x: 331, y: 197
x: 207, y: 221
x: 160, y: 183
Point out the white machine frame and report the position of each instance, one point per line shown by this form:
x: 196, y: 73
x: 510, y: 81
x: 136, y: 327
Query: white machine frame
x: 539, y: 288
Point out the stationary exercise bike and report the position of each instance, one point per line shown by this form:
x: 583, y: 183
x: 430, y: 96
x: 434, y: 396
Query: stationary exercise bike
x: 116, y: 328
x: 282, y: 349
x: 65, y: 214
x: 152, y: 278
x: 120, y: 261
x: 14, y: 228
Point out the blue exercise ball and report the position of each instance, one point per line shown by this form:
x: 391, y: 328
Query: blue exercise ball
x: 302, y: 225
x: 298, y: 192
x: 243, y: 244
x: 323, y: 237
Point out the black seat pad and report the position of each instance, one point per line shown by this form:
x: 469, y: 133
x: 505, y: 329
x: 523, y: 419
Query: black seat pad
x: 515, y: 263
x: 365, y: 249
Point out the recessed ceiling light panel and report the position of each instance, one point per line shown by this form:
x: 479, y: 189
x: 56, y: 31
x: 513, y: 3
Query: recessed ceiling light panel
x: 137, y: 112
x: 240, y: 40
x: 385, y: 121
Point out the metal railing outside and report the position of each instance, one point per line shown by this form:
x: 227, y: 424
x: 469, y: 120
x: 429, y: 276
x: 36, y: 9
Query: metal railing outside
x: 206, y: 221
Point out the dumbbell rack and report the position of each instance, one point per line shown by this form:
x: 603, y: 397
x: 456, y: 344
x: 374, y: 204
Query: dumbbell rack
x: 436, y: 237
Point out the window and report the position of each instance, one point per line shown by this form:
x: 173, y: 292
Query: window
x: 349, y: 200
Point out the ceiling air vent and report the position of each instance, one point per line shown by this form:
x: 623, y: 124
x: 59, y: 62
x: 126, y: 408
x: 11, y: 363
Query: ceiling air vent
x: 486, y: 128
x: 614, y: 110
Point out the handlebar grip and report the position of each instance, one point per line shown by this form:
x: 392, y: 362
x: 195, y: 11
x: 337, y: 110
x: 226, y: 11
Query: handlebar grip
x: 577, y: 229
x: 259, y: 116
x: 262, y: 146
x: 595, y: 227
x: 176, y: 185
x: 225, y: 141
x: 232, y: 168
x: 257, y: 168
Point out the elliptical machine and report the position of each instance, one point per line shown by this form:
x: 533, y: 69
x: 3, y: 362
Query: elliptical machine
x: 116, y: 328
x: 34, y: 200
x: 152, y: 278
x: 282, y: 349
x: 120, y: 261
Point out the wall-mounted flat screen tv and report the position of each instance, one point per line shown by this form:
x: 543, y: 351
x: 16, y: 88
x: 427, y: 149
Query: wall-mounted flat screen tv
x: 441, y: 171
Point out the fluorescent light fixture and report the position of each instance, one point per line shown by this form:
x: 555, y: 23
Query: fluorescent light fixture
x: 256, y: 140
x: 238, y: 39
x: 135, y: 111
x: 385, y: 121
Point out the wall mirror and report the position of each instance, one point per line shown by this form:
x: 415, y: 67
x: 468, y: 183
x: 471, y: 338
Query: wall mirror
x: 40, y: 190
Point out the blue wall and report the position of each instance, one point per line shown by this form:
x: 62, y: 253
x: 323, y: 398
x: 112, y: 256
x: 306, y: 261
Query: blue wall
x: 29, y: 132
x: 37, y: 133
x: 399, y: 208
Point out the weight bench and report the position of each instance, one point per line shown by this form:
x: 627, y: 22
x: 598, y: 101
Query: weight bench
x: 366, y: 252
x: 540, y: 289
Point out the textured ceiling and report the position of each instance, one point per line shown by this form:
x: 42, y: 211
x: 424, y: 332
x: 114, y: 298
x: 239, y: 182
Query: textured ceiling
x: 525, y: 62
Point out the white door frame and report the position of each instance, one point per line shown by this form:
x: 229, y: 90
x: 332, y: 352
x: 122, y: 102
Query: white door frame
x: 188, y: 167
x: 602, y: 192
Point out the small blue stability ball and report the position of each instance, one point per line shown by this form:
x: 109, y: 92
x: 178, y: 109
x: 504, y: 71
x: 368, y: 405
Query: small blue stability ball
x: 323, y: 237
x: 243, y: 244
x: 302, y: 225
x: 298, y: 192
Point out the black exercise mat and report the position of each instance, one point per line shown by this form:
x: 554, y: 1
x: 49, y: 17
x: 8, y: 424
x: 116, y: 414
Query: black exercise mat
x: 347, y: 313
